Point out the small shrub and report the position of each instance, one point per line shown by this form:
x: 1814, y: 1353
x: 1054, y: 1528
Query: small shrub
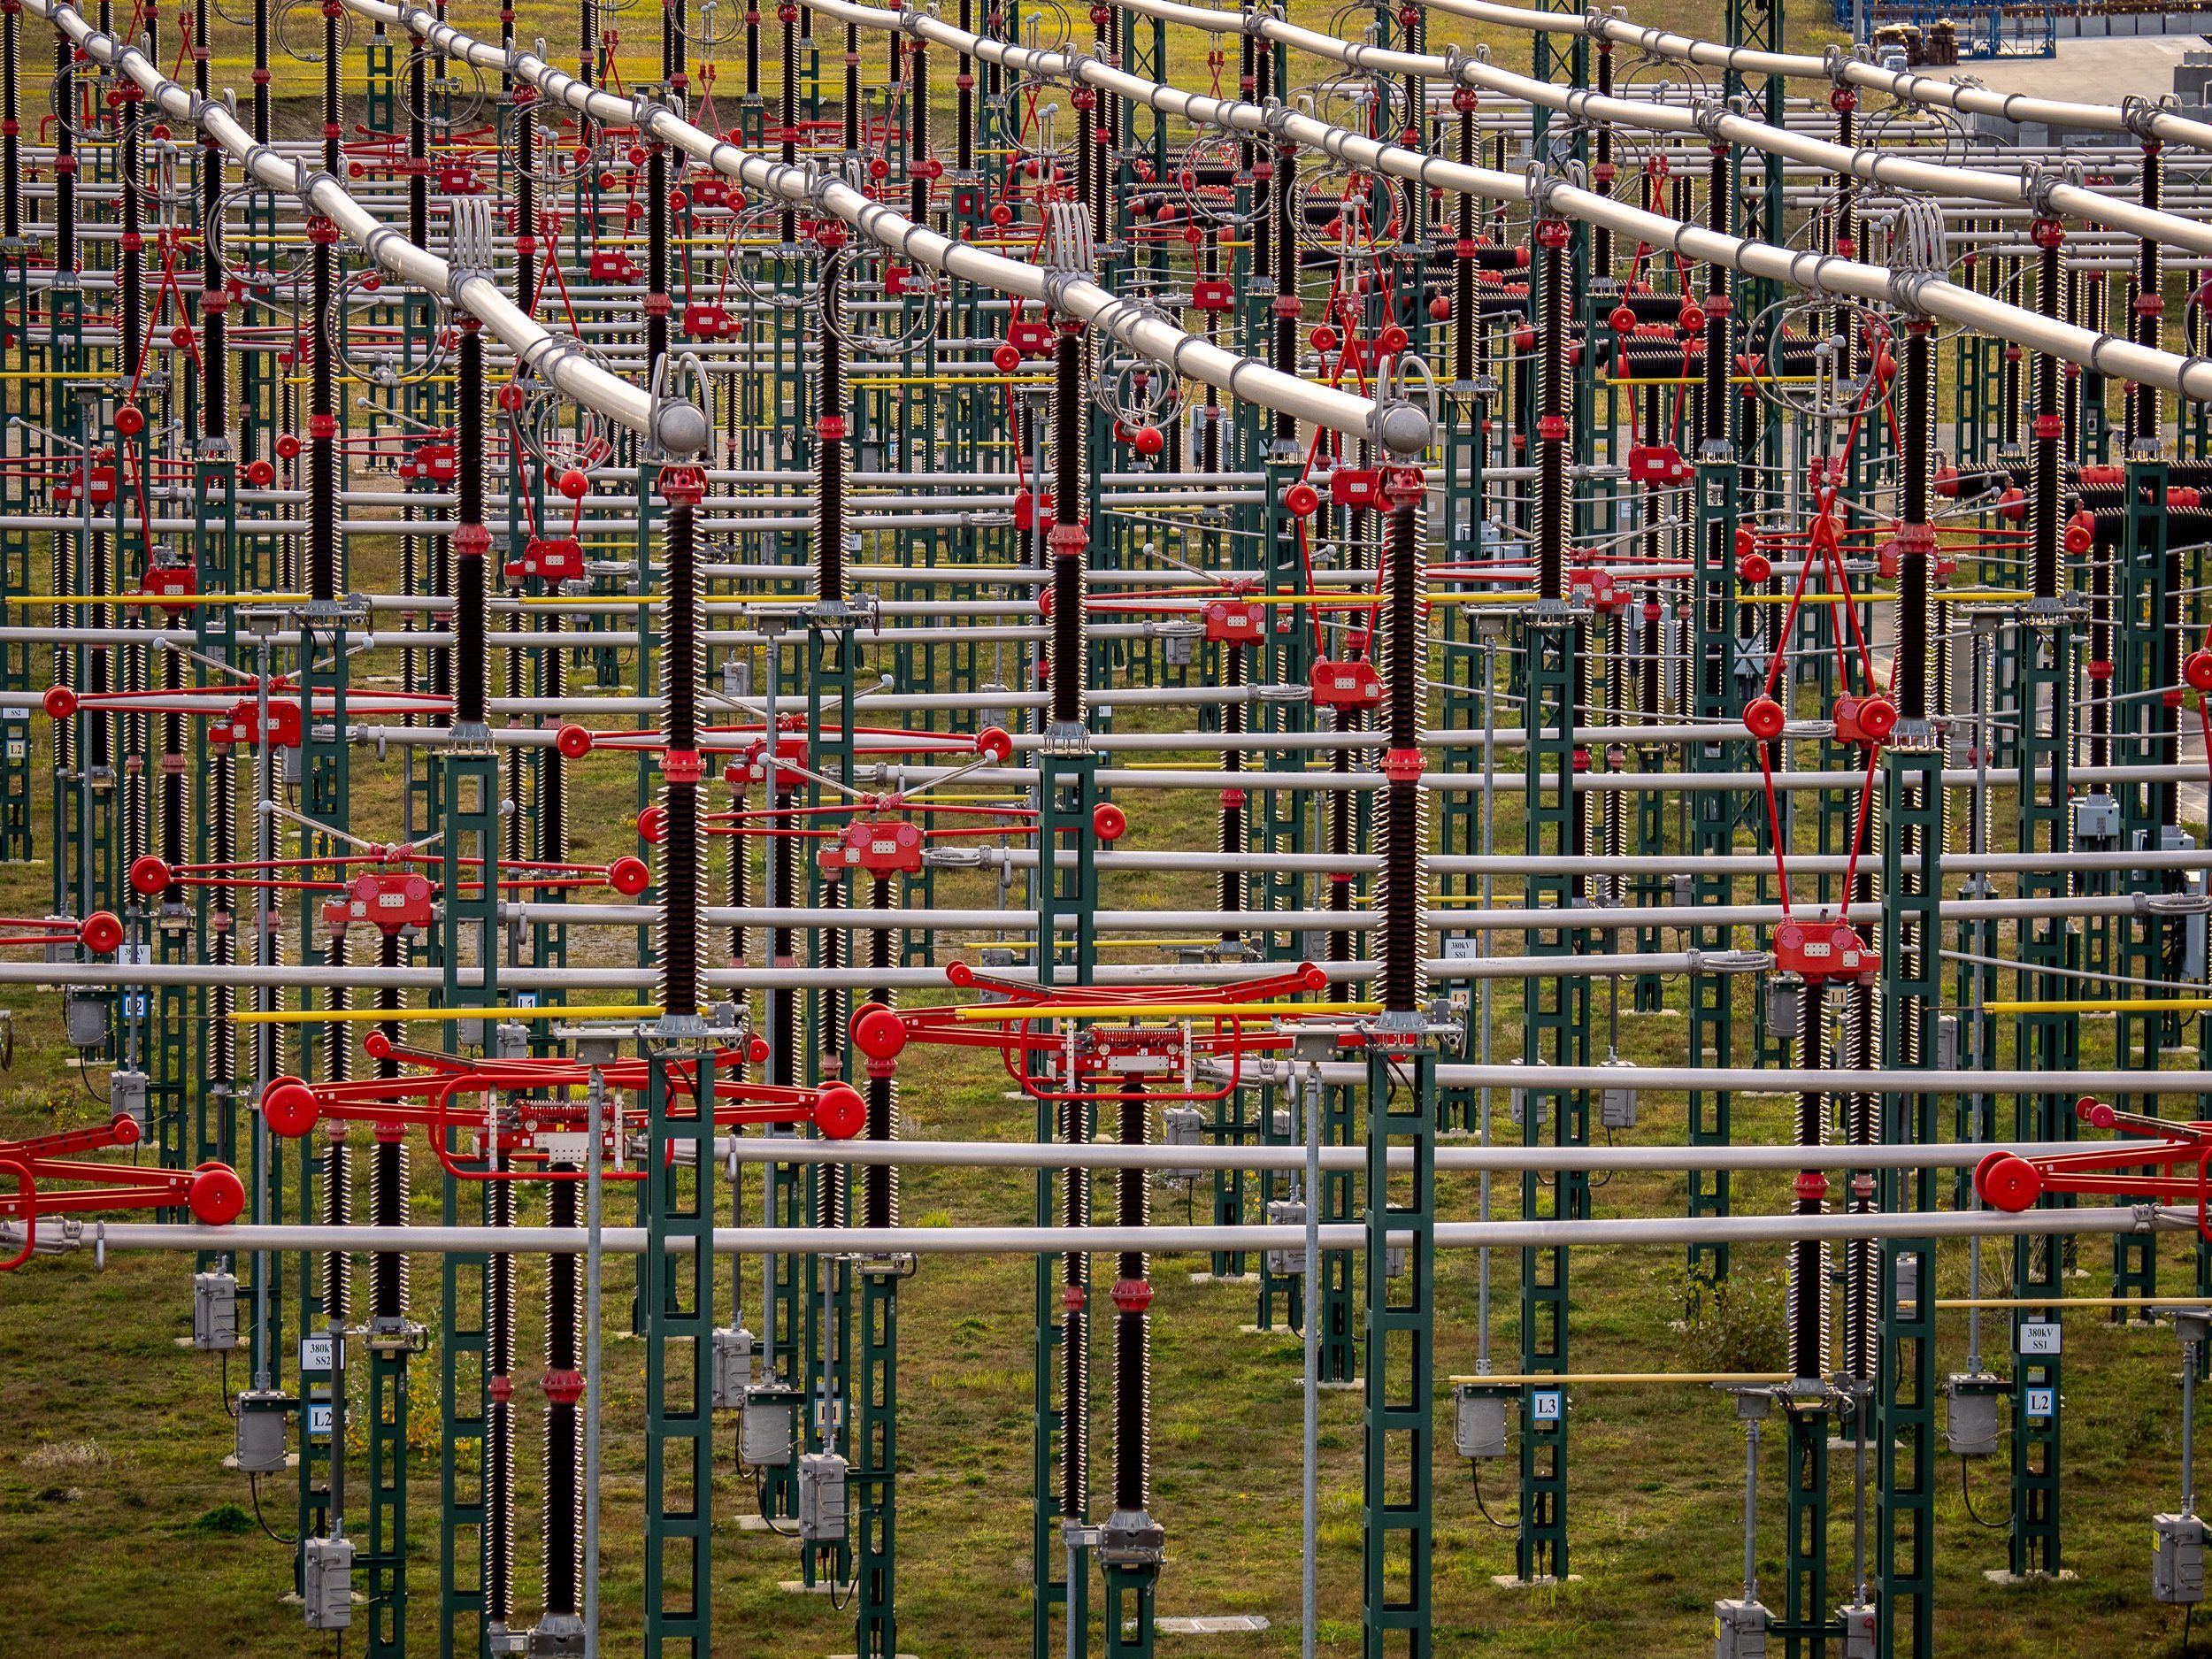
x: 226, y: 1520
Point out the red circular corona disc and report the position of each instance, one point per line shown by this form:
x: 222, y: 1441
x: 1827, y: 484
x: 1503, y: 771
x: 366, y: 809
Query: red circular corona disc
x: 840, y: 1113
x: 1764, y: 719
x: 878, y: 1033
x: 218, y: 1196
x: 290, y: 1108
x: 2008, y: 1181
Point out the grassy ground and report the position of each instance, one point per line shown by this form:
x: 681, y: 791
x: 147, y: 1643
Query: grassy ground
x: 121, y: 1533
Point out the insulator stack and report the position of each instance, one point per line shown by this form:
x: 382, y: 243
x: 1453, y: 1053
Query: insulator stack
x: 1806, y: 1292
x: 499, y: 1413
x: 564, y: 1517
x: 2147, y: 326
x: 337, y: 1211
x: 879, y: 1182
x: 471, y: 541
x: 681, y: 854
x: 387, y: 1208
x: 338, y: 1035
x: 1402, y: 829
x: 1075, y: 1345
x: 1132, y: 1291
x: 1070, y: 541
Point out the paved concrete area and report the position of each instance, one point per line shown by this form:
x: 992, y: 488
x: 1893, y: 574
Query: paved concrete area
x: 2091, y: 71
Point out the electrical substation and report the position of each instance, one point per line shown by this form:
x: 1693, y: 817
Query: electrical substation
x: 1475, y: 737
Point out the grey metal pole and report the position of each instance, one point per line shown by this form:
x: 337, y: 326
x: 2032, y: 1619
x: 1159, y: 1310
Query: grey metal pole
x: 1751, y: 1511
x: 1482, y: 939
x: 1310, y: 1442
x: 265, y: 1038
x: 596, y: 1097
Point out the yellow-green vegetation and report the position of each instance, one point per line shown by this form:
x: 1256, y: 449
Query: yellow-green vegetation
x: 120, y: 1532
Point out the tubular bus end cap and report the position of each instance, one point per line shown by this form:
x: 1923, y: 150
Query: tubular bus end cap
x: 1404, y: 429
x: 682, y: 429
